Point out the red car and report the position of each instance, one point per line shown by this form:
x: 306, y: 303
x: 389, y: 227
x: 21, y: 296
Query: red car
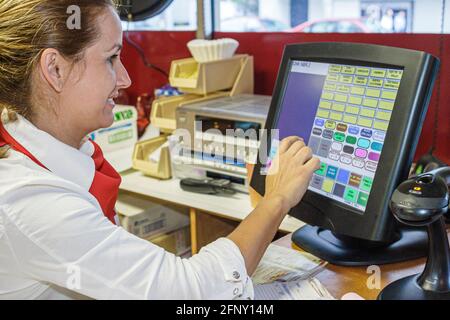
x: 337, y: 25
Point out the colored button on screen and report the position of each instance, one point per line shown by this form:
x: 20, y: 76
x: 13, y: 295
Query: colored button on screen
x: 349, y: 149
x: 350, y: 194
x: 366, y: 184
x: 361, y: 153
x: 328, y: 185
x: 319, y: 122
x: 353, y: 130
x: 317, y: 131
x: 332, y: 172
x: 364, y: 143
x: 327, y: 134
x: 355, y: 180
x: 321, y: 171
x: 330, y: 124
x: 376, y: 146
x: 342, y: 127
x: 339, y: 190
x: 366, y: 133
x: 343, y: 176
x: 340, y: 137
x: 350, y: 140
x: 374, y: 156
x: 362, y: 199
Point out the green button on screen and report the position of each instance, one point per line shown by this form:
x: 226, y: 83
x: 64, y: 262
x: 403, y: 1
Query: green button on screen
x: 366, y: 184
x: 363, y: 198
x: 321, y: 171
x: 339, y: 136
x: 350, y: 194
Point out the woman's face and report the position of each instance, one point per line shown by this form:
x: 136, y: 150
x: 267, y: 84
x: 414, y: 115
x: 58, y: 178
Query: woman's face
x: 95, y: 81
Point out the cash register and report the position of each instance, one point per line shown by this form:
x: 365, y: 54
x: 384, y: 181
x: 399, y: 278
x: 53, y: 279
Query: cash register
x: 360, y: 108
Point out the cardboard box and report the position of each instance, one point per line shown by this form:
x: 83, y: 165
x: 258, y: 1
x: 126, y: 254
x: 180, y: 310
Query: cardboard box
x: 144, y: 218
x: 117, y: 142
x: 177, y: 242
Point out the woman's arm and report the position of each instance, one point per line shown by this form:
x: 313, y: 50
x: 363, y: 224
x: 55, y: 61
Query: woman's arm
x: 286, y: 183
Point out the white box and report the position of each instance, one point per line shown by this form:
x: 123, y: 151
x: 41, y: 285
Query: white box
x: 145, y: 219
x: 117, y: 142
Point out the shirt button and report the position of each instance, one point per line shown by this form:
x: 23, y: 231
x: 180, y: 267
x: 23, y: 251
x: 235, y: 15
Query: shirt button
x: 236, y: 275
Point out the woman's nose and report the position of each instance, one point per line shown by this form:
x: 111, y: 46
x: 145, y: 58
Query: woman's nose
x: 123, y: 79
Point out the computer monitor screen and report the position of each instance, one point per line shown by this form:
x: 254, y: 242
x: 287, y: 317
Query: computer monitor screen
x: 343, y: 112
x: 360, y: 108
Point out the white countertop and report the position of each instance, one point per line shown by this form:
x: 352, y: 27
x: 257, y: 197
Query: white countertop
x: 235, y: 207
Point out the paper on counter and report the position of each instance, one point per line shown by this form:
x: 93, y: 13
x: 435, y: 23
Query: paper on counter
x: 285, y: 264
x: 310, y: 289
x: 156, y: 155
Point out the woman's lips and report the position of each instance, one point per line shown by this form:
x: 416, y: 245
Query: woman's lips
x: 111, y: 102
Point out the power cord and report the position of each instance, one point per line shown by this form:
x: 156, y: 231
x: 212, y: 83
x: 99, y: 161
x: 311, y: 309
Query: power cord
x: 140, y: 51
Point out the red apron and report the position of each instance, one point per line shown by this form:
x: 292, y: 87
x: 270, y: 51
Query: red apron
x: 105, y: 186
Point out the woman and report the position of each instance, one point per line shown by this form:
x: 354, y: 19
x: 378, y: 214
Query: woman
x: 59, y: 237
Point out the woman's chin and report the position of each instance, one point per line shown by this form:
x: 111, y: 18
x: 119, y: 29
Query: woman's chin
x: 107, y: 118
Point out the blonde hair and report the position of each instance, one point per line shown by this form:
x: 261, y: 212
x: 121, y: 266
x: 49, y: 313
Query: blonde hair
x: 27, y: 28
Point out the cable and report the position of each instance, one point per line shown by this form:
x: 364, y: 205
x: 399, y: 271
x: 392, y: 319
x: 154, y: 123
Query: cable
x: 141, y: 51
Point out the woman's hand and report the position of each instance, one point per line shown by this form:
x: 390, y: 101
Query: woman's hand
x: 288, y: 177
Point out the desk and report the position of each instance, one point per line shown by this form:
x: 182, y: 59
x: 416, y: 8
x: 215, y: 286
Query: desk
x: 341, y: 280
x: 211, y: 217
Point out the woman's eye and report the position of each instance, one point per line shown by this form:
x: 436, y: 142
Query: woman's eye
x: 113, y: 58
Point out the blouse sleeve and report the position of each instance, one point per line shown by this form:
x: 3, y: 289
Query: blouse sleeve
x: 59, y: 236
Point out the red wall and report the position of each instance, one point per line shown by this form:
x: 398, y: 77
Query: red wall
x: 267, y: 48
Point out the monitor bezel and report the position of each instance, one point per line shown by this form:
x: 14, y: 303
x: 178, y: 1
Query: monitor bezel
x: 409, y: 111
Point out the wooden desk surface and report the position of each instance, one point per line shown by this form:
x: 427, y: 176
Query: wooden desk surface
x: 341, y: 280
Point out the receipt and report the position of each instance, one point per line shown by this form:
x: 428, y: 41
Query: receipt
x: 310, y: 289
x: 285, y: 264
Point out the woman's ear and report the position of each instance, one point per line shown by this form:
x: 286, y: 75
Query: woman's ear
x: 54, y: 68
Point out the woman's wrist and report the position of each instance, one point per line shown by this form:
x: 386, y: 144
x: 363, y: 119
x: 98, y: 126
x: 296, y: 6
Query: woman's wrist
x: 278, y: 204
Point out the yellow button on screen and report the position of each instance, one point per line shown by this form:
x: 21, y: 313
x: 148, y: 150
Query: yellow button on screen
x: 327, y: 95
x: 383, y: 115
x: 328, y: 185
x: 352, y: 110
x: 370, y: 103
x: 336, y: 116
x: 340, y: 97
x: 367, y: 113
x: 358, y: 90
x: 365, y: 122
x: 386, y: 105
x: 325, y: 104
x: 350, y: 119
x: 323, y: 113
x: 381, y: 125
x: 338, y: 107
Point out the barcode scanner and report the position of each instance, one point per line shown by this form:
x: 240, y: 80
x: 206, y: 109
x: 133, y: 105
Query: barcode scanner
x: 418, y: 202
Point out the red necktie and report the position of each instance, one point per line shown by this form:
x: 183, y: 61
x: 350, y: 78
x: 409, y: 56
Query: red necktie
x: 105, y: 186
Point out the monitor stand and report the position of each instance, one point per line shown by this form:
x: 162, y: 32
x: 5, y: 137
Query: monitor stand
x: 341, y: 250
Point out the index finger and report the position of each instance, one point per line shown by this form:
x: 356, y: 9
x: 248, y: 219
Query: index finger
x: 287, y: 142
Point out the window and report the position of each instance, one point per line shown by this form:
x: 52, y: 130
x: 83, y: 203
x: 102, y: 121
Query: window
x: 363, y: 16
x: 180, y: 15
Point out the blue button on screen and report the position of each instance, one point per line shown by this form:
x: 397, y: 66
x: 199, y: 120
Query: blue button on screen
x: 343, y: 176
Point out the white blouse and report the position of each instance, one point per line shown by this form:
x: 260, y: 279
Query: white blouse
x: 55, y: 242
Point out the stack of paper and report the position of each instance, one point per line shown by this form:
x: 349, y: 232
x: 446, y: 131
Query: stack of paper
x: 284, y: 264
x: 310, y: 289
x: 287, y: 274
